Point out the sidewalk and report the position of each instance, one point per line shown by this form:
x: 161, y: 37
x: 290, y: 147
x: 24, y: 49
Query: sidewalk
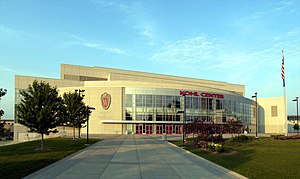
x: 133, y: 156
x: 8, y: 142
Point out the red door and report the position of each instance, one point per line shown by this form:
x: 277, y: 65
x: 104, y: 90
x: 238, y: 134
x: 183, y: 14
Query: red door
x: 149, y: 129
x: 159, y: 129
x: 139, y: 129
x: 169, y: 129
x: 178, y: 129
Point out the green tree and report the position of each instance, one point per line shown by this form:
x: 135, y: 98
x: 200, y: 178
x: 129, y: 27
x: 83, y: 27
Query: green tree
x: 2, y: 129
x: 76, y: 111
x: 2, y: 124
x: 2, y: 93
x: 40, y: 109
x: 296, y: 127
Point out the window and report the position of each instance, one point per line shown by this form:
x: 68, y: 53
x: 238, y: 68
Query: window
x: 149, y: 117
x: 128, y: 117
x: 203, y: 103
x: 139, y: 117
x: 71, y: 77
x: 169, y: 101
x: 149, y: 101
x: 177, y: 101
x: 188, y: 102
x: 128, y: 100
x: 210, y: 104
x: 189, y: 118
x: 273, y: 111
x: 159, y: 117
x: 234, y: 106
x: 139, y: 100
x: 195, y: 103
x: 169, y: 118
x: 90, y: 78
x: 177, y: 118
x: 254, y: 112
x: 219, y: 104
x: 223, y: 119
x: 159, y: 101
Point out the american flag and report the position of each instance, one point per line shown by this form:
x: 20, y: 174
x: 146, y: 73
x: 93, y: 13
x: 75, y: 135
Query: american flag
x: 282, y: 70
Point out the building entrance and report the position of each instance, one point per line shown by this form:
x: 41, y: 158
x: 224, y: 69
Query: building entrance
x: 139, y: 129
x: 169, y: 129
x: 149, y: 129
x: 159, y: 129
x: 178, y: 129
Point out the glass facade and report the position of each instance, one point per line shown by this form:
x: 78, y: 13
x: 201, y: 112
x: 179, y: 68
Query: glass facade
x: 159, y: 110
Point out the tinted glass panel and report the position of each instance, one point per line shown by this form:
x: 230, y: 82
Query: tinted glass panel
x: 139, y: 100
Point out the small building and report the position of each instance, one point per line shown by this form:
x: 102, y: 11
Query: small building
x: 271, y: 115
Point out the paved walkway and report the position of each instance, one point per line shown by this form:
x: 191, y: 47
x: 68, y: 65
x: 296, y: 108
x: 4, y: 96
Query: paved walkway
x: 132, y: 156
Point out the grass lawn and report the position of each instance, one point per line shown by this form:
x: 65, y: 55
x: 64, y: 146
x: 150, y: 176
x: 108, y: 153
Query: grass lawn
x: 260, y: 158
x: 19, y: 160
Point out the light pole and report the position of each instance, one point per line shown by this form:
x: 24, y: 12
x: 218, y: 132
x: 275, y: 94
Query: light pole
x: 87, y: 122
x: 256, y: 116
x: 80, y: 95
x: 183, y: 120
x: 297, y: 114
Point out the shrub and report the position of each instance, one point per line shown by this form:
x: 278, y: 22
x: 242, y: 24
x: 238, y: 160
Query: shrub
x: 277, y: 136
x: 216, y: 147
x: 242, y: 138
x: 211, y: 146
x: 202, y: 144
x: 282, y: 137
x: 210, y: 138
x: 219, y: 148
x: 190, y: 139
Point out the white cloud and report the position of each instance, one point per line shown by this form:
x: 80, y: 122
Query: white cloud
x: 257, y: 15
x: 135, y: 17
x: 282, y: 5
x: 112, y: 5
x: 18, y: 70
x: 92, y: 45
x: 294, y: 33
x: 8, y: 33
x: 191, y: 51
x: 216, y: 60
x: 107, y: 49
x: 5, y: 69
x: 80, y: 41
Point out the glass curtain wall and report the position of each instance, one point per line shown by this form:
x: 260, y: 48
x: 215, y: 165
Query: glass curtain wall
x: 161, y: 107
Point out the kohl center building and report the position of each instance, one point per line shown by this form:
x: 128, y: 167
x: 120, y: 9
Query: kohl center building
x: 130, y: 102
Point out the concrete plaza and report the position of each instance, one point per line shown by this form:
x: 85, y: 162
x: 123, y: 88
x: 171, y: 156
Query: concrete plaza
x: 133, y: 156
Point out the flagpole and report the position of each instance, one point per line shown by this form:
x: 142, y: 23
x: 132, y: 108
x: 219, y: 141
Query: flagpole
x: 285, y: 115
x: 285, y: 127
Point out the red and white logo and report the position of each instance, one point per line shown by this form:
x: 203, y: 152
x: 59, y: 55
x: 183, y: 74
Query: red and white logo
x: 105, y: 100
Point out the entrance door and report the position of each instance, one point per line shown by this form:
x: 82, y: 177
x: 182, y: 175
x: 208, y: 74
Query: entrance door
x: 138, y: 128
x: 149, y: 129
x: 178, y: 129
x: 159, y: 129
x: 169, y: 129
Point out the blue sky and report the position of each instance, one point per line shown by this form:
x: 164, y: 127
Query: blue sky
x: 232, y: 41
